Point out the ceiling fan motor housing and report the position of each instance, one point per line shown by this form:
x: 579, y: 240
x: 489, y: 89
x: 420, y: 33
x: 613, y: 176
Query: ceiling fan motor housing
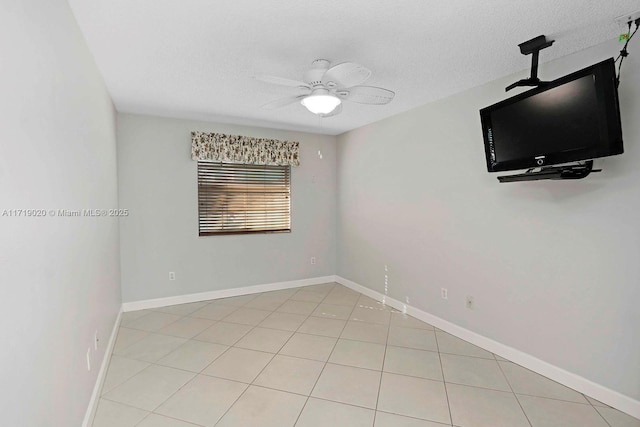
x: 313, y: 76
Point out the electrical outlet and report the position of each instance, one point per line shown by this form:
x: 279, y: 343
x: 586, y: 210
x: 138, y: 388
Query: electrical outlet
x: 444, y: 294
x: 89, y: 359
x: 313, y: 260
x: 624, y: 20
x: 95, y: 340
x: 469, y: 302
x: 406, y: 299
x: 386, y: 268
x: 172, y: 275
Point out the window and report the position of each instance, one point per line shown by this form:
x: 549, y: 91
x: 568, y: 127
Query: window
x: 234, y: 198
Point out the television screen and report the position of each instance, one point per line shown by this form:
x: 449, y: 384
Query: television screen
x: 573, y: 118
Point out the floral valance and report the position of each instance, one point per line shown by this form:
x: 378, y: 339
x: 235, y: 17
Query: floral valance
x: 243, y: 149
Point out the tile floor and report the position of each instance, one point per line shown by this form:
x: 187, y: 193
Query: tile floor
x: 320, y: 356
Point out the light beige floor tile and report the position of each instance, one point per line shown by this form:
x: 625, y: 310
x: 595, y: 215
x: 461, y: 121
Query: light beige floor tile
x: 473, y: 371
x: 420, y: 339
x: 322, y: 326
x: 414, y: 397
x: 594, y: 402
x: 149, y: 388
x: 332, y: 311
x: 359, y: 354
x: 239, y: 364
x: 247, y: 316
x: 283, y: 321
x: 416, y: 363
x: 153, y: 321
x: 131, y: 316
x: 120, y: 370
x: 616, y: 418
x: 472, y: 406
x: 284, y: 293
x: 524, y: 381
x: 193, y: 355
x: 187, y: 327
x: 297, y: 307
x: 112, y: 414
x: 151, y: 348
x: 384, y: 419
x: 308, y: 296
x: 237, y: 301
x: 323, y: 287
x: 367, y: 302
x: 405, y: 321
x: 339, y: 298
x: 155, y: 420
x: 313, y: 347
x: 322, y: 413
x: 447, y: 343
x: 557, y: 413
x: 182, y: 309
x: 263, y: 339
x: 371, y: 315
x: 202, y: 401
x: 213, y: 311
x: 349, y: 385
x: 266, y: 302
x: 361, y: 331
x: 224, y: 333
x: 290, y: 374
x: 265, y: 408
x: 127, y: 337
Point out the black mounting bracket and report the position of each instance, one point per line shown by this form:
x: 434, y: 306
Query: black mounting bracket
x: 533, y: 46
x: 576, y: 171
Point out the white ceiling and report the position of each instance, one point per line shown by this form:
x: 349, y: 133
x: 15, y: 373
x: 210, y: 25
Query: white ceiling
x: 197, y: 58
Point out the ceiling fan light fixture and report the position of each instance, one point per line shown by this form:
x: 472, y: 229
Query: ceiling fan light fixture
x: 321, y: 103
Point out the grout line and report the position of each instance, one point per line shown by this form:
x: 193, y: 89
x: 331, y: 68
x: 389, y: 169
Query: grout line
x: 599, y: 413
x: 512, y: 391
x: 446, y: 391
x: 325, y: 363
x: 384, y: 357
x: 323, y: 366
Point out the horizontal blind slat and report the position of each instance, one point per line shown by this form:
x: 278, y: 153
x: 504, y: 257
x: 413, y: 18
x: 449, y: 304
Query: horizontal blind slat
x: 236, y: 198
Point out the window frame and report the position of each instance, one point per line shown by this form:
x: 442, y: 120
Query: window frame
x: 245, y: 230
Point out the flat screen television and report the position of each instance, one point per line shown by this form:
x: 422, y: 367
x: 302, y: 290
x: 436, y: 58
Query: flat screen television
x: 573, y: 118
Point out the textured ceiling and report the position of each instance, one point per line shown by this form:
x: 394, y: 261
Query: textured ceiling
x: 197, y: 58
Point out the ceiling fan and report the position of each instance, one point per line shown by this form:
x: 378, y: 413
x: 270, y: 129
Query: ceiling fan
x: 323, y: 88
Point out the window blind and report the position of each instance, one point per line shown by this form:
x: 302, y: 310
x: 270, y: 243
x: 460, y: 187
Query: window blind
x: 238, y: 198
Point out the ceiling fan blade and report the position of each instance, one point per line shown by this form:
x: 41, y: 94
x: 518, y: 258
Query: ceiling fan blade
x: 281, y: 81
x: 335, y: 112
x: 367, y: 95
x: 282, y: 102
x: 345, y: 75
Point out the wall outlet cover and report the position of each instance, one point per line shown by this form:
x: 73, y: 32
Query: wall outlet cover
x: 624, y: 19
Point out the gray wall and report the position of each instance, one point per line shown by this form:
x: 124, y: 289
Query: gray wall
x: 60, y: 276
x: 553, y: 266
x: 158, y: 184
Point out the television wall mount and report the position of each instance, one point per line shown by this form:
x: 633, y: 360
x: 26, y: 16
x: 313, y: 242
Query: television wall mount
x: 577, y: 171
x: 532, y: 47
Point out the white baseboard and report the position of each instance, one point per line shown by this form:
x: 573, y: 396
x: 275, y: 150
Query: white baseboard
x: 95, y: 396
x: 605, y: 395
x: 224, y: 293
